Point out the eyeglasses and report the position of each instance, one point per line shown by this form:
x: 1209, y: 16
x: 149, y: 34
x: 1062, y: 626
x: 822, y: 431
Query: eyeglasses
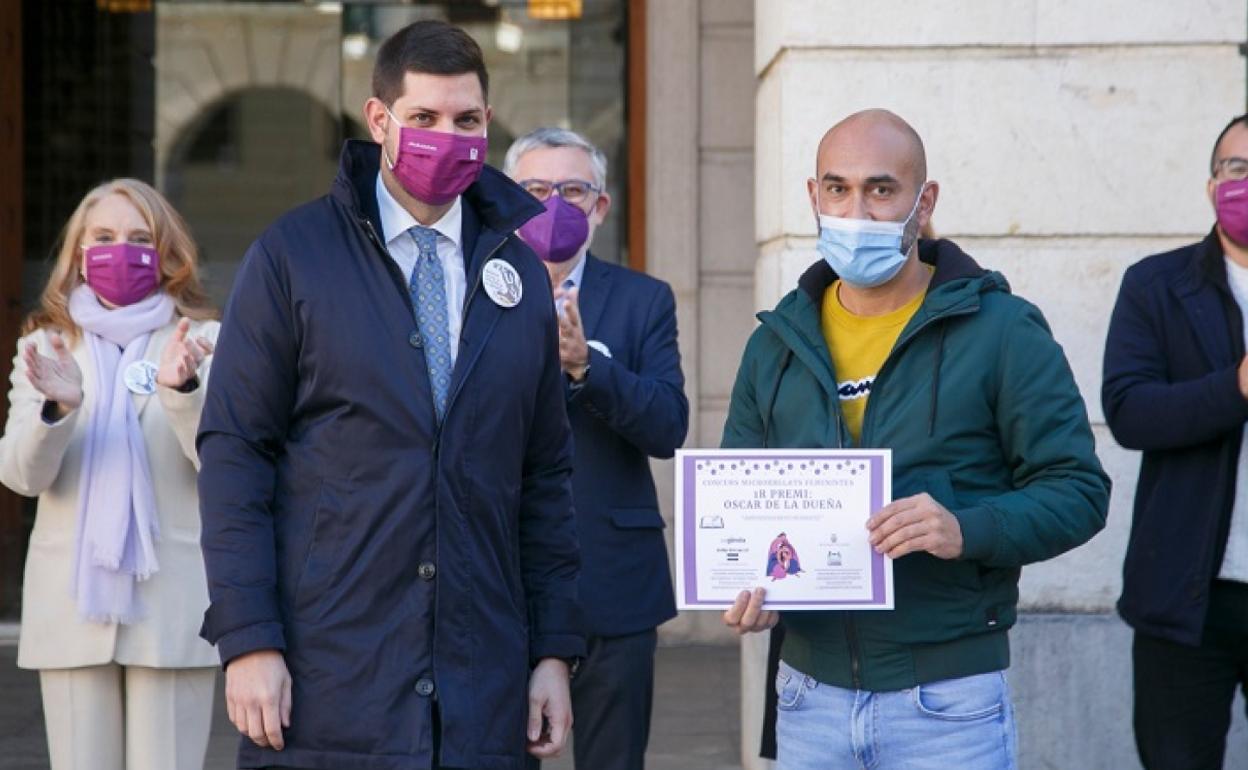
x: 1233, y: 169
x: 571, y: 190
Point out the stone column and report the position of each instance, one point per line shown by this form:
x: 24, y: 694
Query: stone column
x: 700, y: 197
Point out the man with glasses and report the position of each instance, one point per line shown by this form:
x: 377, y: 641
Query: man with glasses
x: 626, y: 404
x: 1176, y: 387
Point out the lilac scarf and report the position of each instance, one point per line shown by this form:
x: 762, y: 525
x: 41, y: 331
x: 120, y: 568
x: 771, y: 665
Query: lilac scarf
x: 117, y: 526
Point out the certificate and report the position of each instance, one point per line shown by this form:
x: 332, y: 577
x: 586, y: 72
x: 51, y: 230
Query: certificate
x: 790, y: 520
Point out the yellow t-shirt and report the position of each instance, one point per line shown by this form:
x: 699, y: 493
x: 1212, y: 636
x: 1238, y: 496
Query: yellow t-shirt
x: 859, y: 347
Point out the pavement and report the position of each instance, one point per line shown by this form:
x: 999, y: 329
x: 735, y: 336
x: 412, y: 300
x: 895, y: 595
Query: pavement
x: 696, y: 723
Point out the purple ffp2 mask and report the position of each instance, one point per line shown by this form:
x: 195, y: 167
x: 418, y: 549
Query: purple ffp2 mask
x: 121, y: 273
x: 556, y: 234
x: 1231, y: 205
x: 434, y: 166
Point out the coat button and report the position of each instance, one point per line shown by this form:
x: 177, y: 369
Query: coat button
x: 413, y: 339
x: 424, y: 688
x: 426, y: 571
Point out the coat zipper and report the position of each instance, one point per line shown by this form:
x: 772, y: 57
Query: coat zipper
x: 851, y: 630
x: 855, y: 663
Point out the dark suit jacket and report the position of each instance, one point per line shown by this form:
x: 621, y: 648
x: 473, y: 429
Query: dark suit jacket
x: 1171, y: 389
x: 632, y: 407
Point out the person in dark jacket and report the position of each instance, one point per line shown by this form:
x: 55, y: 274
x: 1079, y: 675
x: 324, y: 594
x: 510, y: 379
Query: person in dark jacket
x: 897, y: 343
x: 626, y: 401
x: 1176, y: 387
x: 387, y: 525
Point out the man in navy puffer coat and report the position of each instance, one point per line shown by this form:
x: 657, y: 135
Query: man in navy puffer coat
x: 387, y: 522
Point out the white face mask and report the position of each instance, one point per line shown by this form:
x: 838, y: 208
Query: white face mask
x: 866, y: 252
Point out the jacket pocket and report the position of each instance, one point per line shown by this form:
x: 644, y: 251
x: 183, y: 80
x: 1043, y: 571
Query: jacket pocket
x: 318, y: 563
x: 939, y: 485
x: 966, y: 574
x: 637, y: 518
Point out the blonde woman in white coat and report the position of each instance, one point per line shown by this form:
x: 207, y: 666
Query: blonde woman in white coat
x: 106, y: 393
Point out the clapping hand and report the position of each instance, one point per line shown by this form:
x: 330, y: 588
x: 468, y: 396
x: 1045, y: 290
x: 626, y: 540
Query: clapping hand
x: 573, y: 350
x: 58, y: 378
x: 180, y: 360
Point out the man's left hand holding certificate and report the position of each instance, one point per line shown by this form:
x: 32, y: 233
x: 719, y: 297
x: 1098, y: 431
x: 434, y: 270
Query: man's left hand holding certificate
x: 789, y: 526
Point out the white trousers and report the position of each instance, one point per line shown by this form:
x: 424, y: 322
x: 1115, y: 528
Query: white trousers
x: 127, y: 717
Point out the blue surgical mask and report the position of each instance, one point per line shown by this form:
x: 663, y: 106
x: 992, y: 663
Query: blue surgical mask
x: 864, y: 252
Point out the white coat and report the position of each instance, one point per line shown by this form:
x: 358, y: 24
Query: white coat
x: 44, y: 460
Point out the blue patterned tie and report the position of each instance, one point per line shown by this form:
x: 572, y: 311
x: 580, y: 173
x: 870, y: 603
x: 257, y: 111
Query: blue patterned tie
x: 429, y: 298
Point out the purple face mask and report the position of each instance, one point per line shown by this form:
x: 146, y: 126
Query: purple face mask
x: 558, y: 233
x: 1231, y: 204
x: 435, y: 167
x: 121, y: 273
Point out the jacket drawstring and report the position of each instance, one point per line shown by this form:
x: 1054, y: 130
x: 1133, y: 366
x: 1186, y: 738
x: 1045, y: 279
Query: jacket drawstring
x: 775, y: 390
x: 937, y: 360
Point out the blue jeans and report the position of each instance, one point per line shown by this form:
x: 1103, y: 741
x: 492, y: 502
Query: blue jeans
x: 954, y: 724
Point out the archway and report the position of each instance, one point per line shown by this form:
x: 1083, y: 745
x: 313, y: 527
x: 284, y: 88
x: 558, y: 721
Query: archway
x: 241, y: 163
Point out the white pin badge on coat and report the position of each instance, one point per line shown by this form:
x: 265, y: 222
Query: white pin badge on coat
x: 502, y: 283
x: 141, y: 378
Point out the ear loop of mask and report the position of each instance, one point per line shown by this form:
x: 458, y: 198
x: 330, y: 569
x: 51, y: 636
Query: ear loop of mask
x: 385, y: 155
x: 913, y: 210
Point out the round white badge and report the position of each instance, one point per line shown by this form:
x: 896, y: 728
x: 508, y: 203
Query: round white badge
x: 502, y: 283
x: 141, y: 378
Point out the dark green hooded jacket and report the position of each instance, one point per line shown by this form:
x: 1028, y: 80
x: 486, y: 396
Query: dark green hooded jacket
x: 980, y: 409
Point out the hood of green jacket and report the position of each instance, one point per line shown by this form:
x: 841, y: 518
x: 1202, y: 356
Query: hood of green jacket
x: 956, y: 288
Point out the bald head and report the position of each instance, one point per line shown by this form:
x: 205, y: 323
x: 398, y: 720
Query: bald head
x: 872, y: 165
x: 879, y: 136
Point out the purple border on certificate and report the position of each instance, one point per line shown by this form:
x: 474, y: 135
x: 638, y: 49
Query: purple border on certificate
x: 876, y: 463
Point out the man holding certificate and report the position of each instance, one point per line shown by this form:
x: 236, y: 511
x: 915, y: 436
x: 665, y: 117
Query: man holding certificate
x: 892, y: 343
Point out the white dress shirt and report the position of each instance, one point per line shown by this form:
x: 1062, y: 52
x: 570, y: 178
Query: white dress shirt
x: 395, y: 223
x: 574, y: 278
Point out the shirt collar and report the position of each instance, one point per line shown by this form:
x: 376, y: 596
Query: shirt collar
x: 396, y: 220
